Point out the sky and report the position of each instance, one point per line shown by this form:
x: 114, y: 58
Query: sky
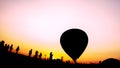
x: 38, y: 25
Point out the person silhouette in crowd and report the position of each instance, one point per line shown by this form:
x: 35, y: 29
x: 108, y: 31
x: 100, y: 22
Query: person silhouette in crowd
x: 2, y: 45
x: 40, y: 55
x: 30, y: 52
x: 36, y: 54
x: 11, y: 47
x: 51, y: 55
x: 6, y: 47
x: 17, y: 49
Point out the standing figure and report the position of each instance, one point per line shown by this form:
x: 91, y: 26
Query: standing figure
x: 36, y: 54
x: 17, y: 49
x: 30, y: 53
x: 51, y: 55
x: 11, y: 47
x: 2, y: 43
x: 40, y: 56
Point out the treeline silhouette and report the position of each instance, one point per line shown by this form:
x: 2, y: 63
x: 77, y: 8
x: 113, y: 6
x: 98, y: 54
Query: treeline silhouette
x: 9, y: 57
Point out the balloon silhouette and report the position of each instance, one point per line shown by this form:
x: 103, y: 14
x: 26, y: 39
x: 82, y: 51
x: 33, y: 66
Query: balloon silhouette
x: 74, y: 42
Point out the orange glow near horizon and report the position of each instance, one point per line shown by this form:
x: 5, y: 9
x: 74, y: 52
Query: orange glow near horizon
x: 38, y: 25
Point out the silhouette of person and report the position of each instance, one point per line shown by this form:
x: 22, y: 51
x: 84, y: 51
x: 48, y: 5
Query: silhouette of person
x: 2, y: 44
x: 100, y: 62
x: 30, y: 52
x: 6, y: 47
x: 11, y: 47
x: 17, y: 49
x: 36, y: 54
x: 51, y: 55
x: 40, y: 55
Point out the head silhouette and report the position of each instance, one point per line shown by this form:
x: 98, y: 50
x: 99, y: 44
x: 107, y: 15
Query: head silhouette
x: 74, y: 42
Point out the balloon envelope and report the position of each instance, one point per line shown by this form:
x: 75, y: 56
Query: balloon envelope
x: 74, y: 42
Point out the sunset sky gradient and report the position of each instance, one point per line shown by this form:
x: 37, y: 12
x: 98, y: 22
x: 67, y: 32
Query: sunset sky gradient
x: 38, y: 24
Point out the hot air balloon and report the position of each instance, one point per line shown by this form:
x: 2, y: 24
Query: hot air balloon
x: 74, y: 42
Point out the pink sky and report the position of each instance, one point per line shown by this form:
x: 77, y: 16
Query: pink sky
x: 38, y: 24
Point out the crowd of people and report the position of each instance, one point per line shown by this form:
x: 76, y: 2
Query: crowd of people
x: 8, y: 57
